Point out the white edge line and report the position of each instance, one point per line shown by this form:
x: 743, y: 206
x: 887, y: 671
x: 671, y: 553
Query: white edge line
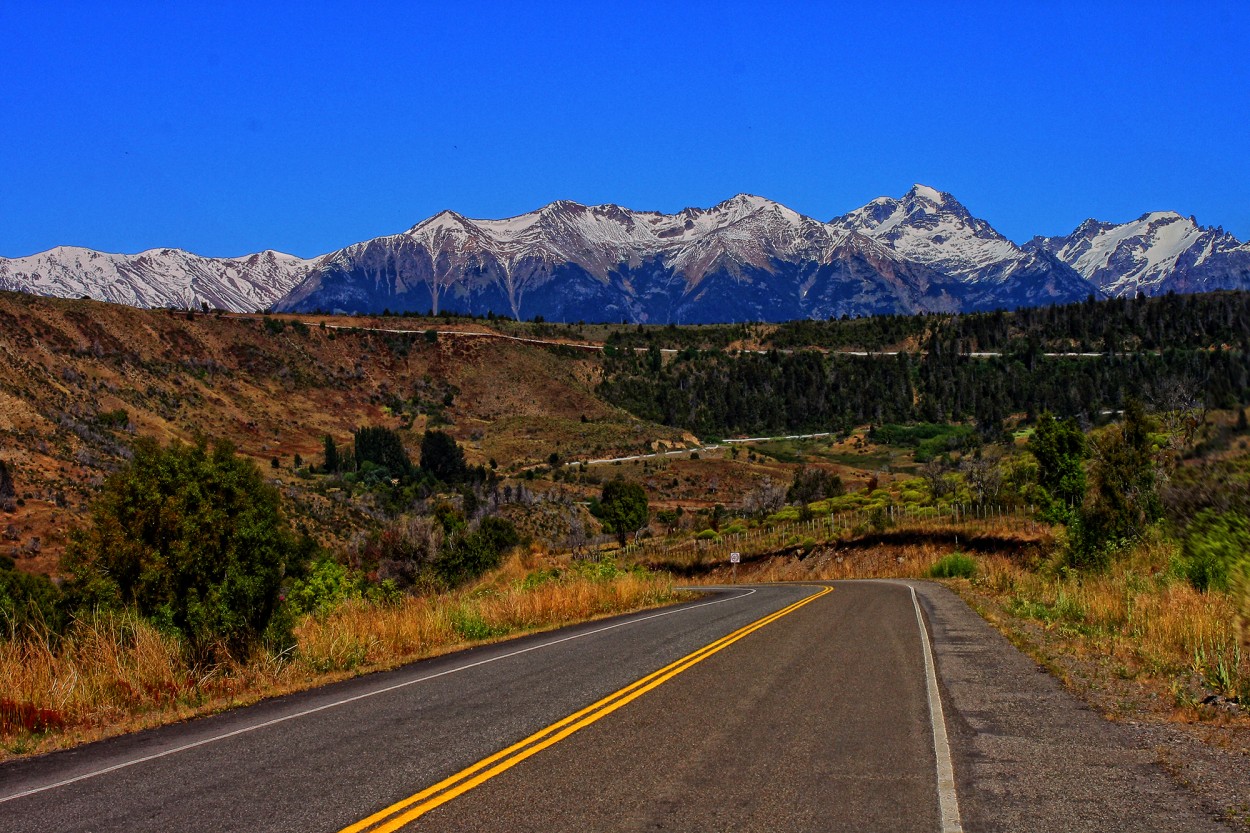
x: 345, y: 701
x: 948, y: 801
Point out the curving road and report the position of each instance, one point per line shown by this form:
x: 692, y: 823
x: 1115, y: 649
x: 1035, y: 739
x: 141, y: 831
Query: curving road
x: 778, y: 707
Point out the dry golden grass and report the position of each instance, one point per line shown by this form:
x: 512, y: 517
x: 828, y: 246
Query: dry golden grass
x: 106, y: 668
x: 1139, y: 618
x: 117, y: 673
x: 363, y: 634
x: 1139, y: 621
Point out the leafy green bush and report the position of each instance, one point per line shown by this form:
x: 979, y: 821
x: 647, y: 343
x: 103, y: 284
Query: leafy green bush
x: 28, y: 603
x: 191, y: 537
x: 605, y: 570
x: 1123, y: 498
x: 325, y: 586
x: 1215, y: 548
x: 537, y: 578
x: 878, y: 518
x: 955, y: 565
x: 8, y: 492
x: 119, y: 418
x: 784, y: 515
x: 466, y: 555
x: 622, y: 508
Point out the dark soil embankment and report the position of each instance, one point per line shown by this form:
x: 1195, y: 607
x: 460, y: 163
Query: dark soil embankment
x: 892, y: 552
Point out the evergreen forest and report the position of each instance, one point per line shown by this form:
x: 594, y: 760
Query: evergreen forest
x: 1167, y: 352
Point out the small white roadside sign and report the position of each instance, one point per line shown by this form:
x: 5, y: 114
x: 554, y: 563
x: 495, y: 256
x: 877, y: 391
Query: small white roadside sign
x: 735, y: 557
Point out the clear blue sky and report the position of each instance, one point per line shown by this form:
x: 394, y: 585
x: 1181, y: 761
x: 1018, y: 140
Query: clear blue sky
x: 308, y: 126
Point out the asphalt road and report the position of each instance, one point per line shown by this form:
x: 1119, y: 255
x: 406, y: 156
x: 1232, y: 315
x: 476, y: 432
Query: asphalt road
x: 712, y: 716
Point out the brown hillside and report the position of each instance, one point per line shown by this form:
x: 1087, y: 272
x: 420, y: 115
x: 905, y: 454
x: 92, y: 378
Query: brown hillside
x: 80, y: 379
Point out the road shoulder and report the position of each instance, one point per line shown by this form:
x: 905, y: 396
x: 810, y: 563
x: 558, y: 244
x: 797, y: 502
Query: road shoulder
x: 1029, y: 755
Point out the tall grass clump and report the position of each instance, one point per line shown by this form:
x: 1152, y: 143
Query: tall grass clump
x: 955, y: 565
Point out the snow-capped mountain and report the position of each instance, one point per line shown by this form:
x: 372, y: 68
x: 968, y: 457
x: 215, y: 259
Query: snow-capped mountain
x: 747, y: 258
x: 1160, y: 251
x: 156, y: 278
x: 932, y: 227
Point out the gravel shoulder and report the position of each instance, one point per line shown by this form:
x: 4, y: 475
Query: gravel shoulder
x: 1096, y: 744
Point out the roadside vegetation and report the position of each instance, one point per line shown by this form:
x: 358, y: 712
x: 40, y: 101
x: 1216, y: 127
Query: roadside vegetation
x: 415, y: 492
x: 188, y: 592
x: 1117, y: 556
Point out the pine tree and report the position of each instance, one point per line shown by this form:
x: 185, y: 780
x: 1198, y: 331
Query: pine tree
x: 332, y: 456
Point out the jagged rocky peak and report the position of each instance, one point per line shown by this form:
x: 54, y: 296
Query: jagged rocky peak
x: 1157, y: 252
x: 742, y: 204
x: 730, y: 211
x: 444, y: 222
x: 933, y: 228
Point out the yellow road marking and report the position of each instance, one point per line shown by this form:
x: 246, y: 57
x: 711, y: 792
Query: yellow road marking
x: 405, y: 812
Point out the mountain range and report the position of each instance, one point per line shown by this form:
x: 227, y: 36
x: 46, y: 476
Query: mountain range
x: 747, y: 258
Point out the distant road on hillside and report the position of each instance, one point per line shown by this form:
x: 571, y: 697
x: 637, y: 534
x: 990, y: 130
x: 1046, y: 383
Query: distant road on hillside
x: 776, y: 707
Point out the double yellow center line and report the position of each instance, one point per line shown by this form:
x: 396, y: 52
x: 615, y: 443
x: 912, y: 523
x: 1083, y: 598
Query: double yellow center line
x: 411, y: 808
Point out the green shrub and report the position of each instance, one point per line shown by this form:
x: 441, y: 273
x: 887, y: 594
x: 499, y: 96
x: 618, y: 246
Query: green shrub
x: 1123, y: 495
x: 325, y: 586
x: 192, y: 538
x: 622, y: 508
x: 1215, y: 547
x: 605, y: 570
x: 466, y: 555
x: 469, y: 624
x: 955, y: 565
x: 812, y: 484
x: 538, y: 578
x: 28, y: 603
x: 119, y: 418
x: 785, y: 515
x: 929, y: 439
x: 8, y: 491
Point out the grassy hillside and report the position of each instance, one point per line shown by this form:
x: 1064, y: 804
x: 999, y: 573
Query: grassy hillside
x: 79, y: 380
